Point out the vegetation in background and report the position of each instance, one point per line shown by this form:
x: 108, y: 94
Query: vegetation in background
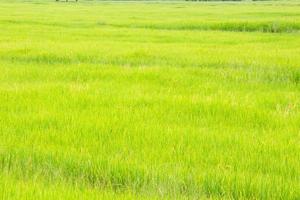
x: 149, y: 100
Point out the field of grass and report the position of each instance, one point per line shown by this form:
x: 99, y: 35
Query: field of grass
x: 149, y: 100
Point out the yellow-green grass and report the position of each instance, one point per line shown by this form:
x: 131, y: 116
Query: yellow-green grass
x: 148, y: 100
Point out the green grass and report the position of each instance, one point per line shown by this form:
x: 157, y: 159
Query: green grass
x: 149, y: 100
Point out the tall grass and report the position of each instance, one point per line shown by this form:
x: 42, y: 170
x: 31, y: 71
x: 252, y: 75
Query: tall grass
x: 107, y: 100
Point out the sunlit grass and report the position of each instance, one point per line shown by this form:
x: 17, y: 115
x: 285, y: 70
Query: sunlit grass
x: 149, y: 100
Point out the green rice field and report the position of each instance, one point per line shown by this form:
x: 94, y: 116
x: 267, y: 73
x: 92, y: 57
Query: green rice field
x: 149, y: 100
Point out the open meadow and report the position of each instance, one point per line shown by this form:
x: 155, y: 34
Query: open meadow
x: 149, y: 100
